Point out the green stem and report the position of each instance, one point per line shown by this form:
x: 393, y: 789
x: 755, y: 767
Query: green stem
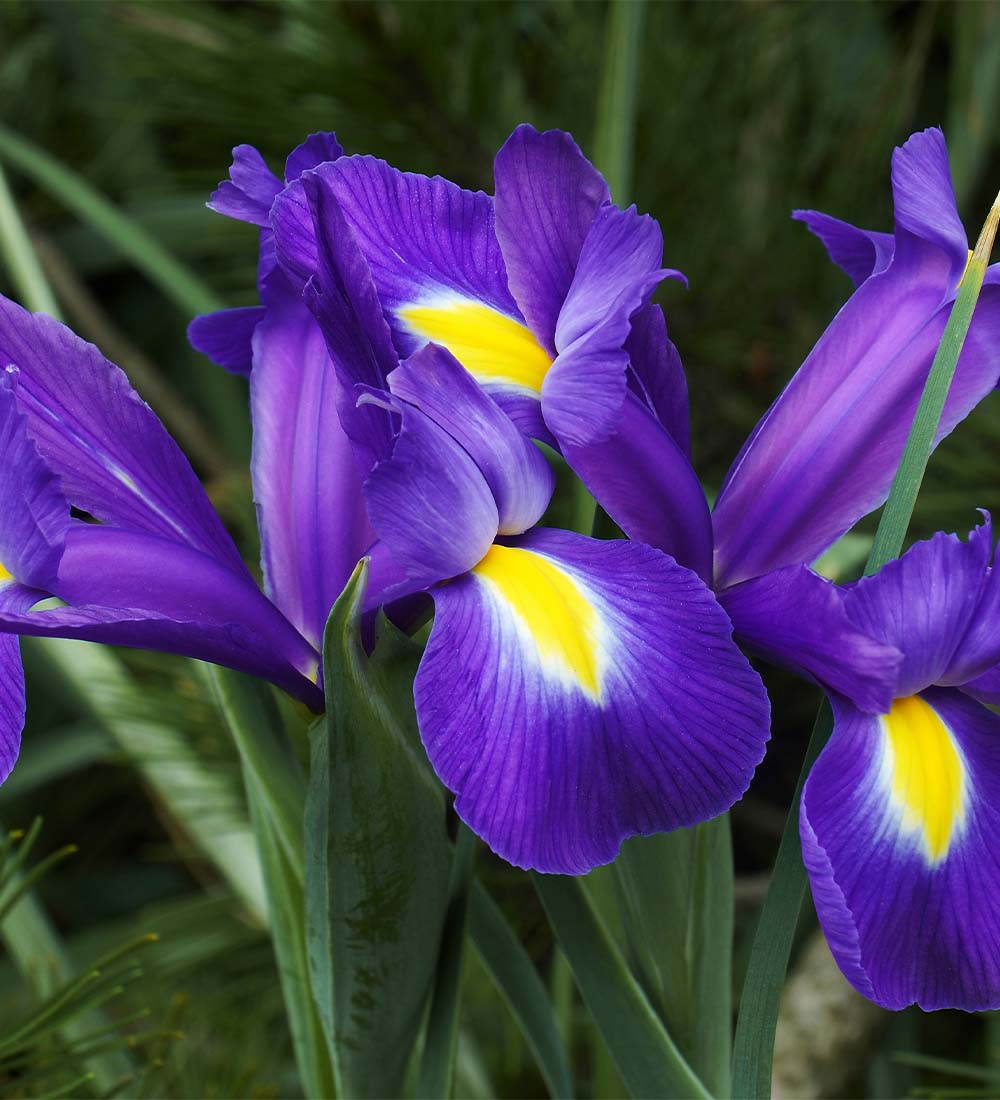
x: 25, y: 270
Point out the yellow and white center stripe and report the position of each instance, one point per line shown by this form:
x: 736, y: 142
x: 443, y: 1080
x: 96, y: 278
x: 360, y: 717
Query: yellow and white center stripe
x: 926, y: 774
x: 554, y: 615
x: 493, y: 348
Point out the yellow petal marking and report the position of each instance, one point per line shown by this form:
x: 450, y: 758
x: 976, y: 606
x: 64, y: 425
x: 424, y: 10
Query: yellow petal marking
x: 4, y: 573
x: 928, y: 774
x: 553, y: 610
x: 490, y: 345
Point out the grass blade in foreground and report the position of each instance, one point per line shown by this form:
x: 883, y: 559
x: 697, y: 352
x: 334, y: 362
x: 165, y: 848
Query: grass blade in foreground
x: 377, y: 856
x: 772, y: 944
x: 647, y: 1059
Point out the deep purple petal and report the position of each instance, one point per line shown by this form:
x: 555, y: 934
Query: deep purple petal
x: 519, y: 478
x: 34, y: 515
x: 429, y: 503
x: 985, y: 687
x: 317, y: 149
x: 797, y: 619
x: 311, y: 513
x: 225, y: 336
x: 657, y: 374
x: 618, y: 268
x: 14, y: 598
x: 899, y: 839
x: 248, y: 193
x: 343, y: 300
x: 114, y: 458
x: 547, y: 194
x: 923, y: 604
x: 576, y: 692
x: 826, y: 451
x: 646, y: 483
x: 860, y: 252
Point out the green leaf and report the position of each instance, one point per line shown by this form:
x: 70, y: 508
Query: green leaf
x: 677, y: 890
x: 647, y: 1058
x: 516, y: 978
x: 614, y: 134
x: 377, y: 856
x: 754, y: 1045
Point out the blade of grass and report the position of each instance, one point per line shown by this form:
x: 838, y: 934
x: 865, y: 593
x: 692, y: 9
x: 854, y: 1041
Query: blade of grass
x: 754, y: 1045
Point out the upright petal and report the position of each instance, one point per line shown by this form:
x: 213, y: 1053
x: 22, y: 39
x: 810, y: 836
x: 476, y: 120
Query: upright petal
x: 317, y: 149
x: 312, y: 518
x: 429, y: 502
x: 646, y: 483
x: 797, y: 619
x: 826, y: 451
x: 860, y: 252
x: 248, y: 193
x: 923, y: 604
x: 14, y: 598
x: 547, y: 194
x: 112, y: 455
x: 519, y: 478
x: 899, y: 822
x: 657, y: 374
x: 618, y: 268
x: 576, y: 692
x: 225, y: 336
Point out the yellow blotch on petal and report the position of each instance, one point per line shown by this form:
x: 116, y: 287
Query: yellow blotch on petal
x: 554, y: 611
x: 4, y: 573
x: 928, y: 774
x: 490, y: 345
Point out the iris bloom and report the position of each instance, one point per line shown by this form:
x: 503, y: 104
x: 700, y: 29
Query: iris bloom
x: 153, y: 567
x: 826, y: 451
x: 901, y: 812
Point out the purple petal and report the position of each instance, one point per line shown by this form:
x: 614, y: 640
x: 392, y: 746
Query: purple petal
x: 429, y: 503
x: 547, y: 194
x: 114, y: 458
x: 899, y: 823
x: 860, y: 252
x: 826, y: 451
x: 225, y: 336
x: 923, y: 604
x: 131, y: 588
x: 576, y: 692
x: 310, y: 508
x: 248, y: 193
x: 924, y: 198
x: 317, y: 149
x: 15, y: 598
x: 658, y: 375
x: 519, y: 478
x: 618, y: 268
x: 34, y: 515
x: 797, y: 619
x: 985, y: 687
x: 646, y: 483
x: 343, y: 300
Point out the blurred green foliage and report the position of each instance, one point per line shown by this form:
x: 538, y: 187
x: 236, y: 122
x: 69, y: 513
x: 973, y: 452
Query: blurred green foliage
x: 745, y: 111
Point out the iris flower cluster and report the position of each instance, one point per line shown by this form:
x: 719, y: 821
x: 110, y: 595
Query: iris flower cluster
x: 413, y: 345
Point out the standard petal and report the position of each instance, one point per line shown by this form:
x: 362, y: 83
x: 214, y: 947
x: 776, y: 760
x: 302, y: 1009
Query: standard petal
x: 576, y: 692
x: 547, y: 194
x: 317, y: 149
x: 797, y: 619
x: 618, y: 268
x: 34, y: 515
x: 646, y: 483
x: 248, y: 193
x: 860, y: 252
x: 429, y: 503
x: 114, y: 458
x: 924, y: 199
x: 923, y: 604
x: 311, y: 512
x: 899, y: 823
x: 342, y: 297
x: 657, y: 374
x: 826, y: 451
x: 225, y: 336
x: 519, y: 478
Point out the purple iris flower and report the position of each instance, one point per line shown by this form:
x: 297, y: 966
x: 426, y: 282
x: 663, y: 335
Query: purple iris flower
x: 901, y: 812
x: 825, y: 453
x: 152, y: 566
